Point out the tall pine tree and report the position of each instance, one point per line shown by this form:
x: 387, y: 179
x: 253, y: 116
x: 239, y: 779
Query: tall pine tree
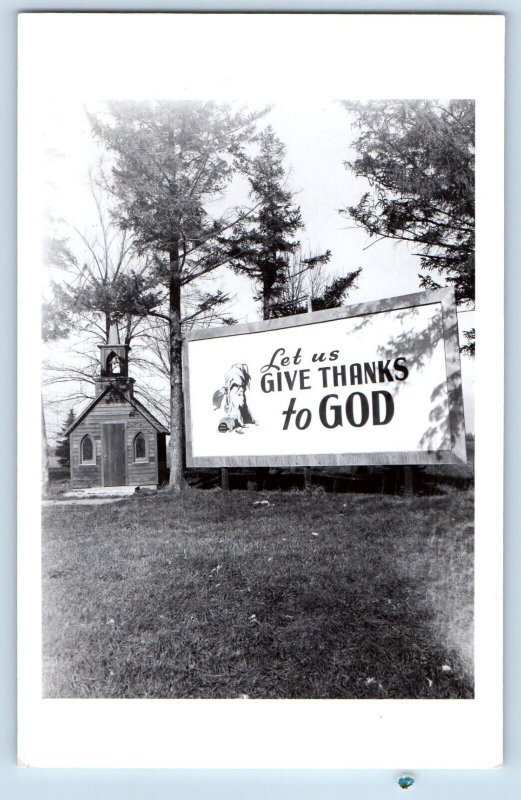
x: 265, y: 239
x: 171, y: 160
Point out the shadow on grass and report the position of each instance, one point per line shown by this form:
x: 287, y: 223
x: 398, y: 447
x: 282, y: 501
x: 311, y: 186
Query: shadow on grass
x: 327, y: 596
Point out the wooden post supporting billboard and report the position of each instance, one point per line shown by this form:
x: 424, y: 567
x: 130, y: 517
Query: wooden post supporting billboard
x: 225, y: 479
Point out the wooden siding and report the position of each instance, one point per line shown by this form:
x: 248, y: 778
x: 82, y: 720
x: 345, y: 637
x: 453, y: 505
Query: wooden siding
x: 108, y: 410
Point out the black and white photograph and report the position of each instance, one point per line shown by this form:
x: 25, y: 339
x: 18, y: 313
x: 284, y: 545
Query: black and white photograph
x: 256, y: 349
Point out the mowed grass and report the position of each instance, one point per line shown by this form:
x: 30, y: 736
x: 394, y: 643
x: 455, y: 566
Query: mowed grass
x: 313, y: 596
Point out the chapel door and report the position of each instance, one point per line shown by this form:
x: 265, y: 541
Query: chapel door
x: 114, y: 470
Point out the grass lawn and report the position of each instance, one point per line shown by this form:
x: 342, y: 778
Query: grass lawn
x: 313, y: 596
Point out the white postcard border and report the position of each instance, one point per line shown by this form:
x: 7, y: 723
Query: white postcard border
x: 286, y: 734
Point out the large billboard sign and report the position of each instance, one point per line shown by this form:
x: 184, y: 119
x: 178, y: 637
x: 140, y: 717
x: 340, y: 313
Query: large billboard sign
x: 373, y: 383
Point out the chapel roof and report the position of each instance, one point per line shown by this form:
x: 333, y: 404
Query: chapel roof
x: 134, y: 402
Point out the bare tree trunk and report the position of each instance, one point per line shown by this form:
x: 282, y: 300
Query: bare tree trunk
x: 45, y: 457
x: 265, y: 305
x: 261, y: 473
x: 177, y: 444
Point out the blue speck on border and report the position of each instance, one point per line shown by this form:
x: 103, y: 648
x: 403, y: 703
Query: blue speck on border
x: 406, y: 782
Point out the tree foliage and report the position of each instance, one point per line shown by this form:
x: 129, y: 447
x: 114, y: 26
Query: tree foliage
x: 306, y: 282
x: 96, y: 278
x: 63, y: 445
x: 171, y: 161
x: 418, y: 157
x: 100, y: 279
x: 101, y: 275
x: 57, y: 323
x: 264, y: 240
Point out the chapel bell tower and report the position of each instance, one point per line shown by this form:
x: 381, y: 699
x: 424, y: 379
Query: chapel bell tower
x: 114, y: 365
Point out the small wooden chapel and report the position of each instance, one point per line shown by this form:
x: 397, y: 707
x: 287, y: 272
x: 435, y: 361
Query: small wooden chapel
x: 116, y: 441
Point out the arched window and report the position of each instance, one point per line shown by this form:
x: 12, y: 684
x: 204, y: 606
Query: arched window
x: 113, y: 364
x: 87, y: 452
x: 140, y: 448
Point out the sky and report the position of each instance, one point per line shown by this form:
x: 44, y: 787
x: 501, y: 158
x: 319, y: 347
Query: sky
x: 318, y: 140
x: 77, y: 62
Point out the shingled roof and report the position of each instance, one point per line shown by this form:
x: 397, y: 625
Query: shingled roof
x: 134, y: 402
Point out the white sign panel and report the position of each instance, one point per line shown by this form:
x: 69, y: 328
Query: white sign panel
x: 377, y: 383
